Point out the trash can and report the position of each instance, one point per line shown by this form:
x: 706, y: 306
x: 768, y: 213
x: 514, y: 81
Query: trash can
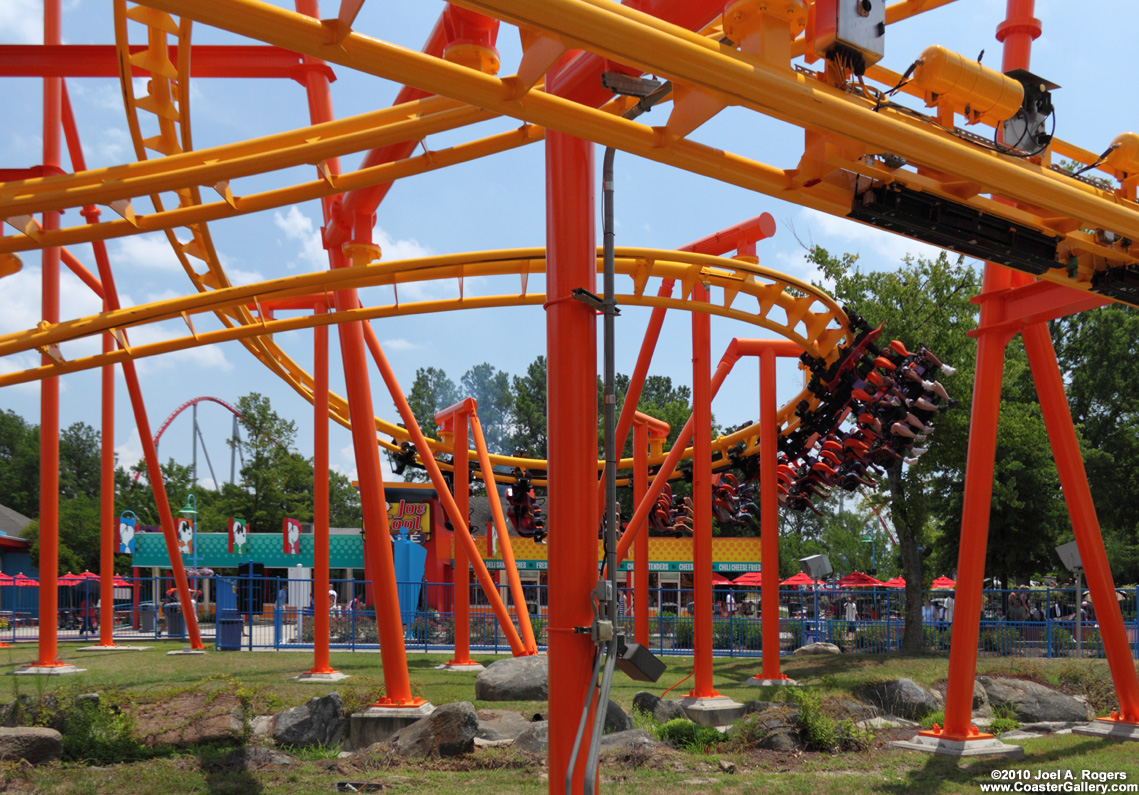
x: 146, y: 618
x: 229, y: 633
x: 175, y: 624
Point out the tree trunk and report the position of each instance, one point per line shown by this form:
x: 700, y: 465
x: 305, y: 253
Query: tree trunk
x: 911, y: 558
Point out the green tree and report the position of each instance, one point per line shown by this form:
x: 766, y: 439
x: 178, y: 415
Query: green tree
x: 19, y: 464
x: 343, y: 502
x: 276, y: 482
x: 928, y: 301
x: 529, y: 434
x: 491, y: 390
x: 431, y: 391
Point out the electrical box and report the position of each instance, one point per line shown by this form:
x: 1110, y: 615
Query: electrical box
x: 1027, y: 130
x: 817, y: 567
x: 851, y: 31
x: 1070, y: 556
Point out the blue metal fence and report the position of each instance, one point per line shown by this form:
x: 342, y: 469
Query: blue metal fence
x: 268, y: 612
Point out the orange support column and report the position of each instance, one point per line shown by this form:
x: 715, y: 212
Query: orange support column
x: 702, y: 499
x: 461, y: 574
x: 644, y: 428
x: 377, y: 544
x: 571, y: 343
x: 322, y: 669
x: 108, y: 529
x: 1081, y: 509
x: 769, y: 522
x: 979, y: 466
x: 49, y: 387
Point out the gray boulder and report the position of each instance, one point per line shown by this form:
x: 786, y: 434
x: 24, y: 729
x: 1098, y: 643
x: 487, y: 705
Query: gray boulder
x: 775, y: 728
x: 616, y: 720
x: 500, y: 724
x: 318, y: 722
x: 816, y: 648
x: 535, y: 739
x: 448, y: 731
x: 904, y: 698
x: 1032, y: 702
x: 630, y: 741
x: 662, y: 710
x: 515, y: 679
x: 980, y: 707
x: 32, y: 744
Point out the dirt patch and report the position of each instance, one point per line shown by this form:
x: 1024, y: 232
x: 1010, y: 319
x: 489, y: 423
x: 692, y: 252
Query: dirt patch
x: 190, y: 718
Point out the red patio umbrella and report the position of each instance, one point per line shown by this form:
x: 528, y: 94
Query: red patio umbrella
x: 22, y: 580
x: 857, y: 579
x: 119, y: 582
x: 751, y: 578
x: 798, y: 579
x: 719, y: 579
x: 69, y: 579
x: 5, y: 579
x: 943, y: 584
x: 897, y: 582
x: 89, y: 576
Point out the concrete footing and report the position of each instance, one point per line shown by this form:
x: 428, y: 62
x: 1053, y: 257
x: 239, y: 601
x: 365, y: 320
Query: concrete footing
x: 114, y: 648
x: 717, y: 711
x: 989, y: 746
x: 47, y: 670
x: 1106, y: 727
x: 460, y: 667
x: 757, y: 681
x: 376, y: 724
x: 333, y: 676
x: 186, y: 650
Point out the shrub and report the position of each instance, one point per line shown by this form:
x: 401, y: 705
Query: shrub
x: 874, y: 638
x: 1000, y: 639
x: 1063, y: 644
x: 689, y: 736
x: 1002, y: 725
x: 936, y: 638
x: 737, y: 633
x: 683, y: 631
x: 796, y: 630
x: 100, y: 734
x: 932, y: 718
x: 836, y: 633
x: 819, y: 732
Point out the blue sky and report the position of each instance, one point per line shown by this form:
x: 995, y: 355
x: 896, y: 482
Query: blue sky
x: 489, y: 204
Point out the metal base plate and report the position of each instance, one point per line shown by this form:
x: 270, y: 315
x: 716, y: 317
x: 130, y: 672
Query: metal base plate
x: 960, y: 748
x: 472, y: 666
x: 755, y: 681
x: 334, y: 676
x: 47, y: 670
x: 1105, y: 727
x: 114, y: 648
x: 716, y: 711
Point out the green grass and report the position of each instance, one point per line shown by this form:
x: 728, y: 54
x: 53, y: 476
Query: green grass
x: 261, y: 681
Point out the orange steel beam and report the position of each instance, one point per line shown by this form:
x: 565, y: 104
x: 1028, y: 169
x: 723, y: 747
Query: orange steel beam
x: 702, y: 500
x: 524, y: 627
x: 321, y: 663
x: 49, y: 389
x: 280, y: 197
x: 194, y: 168
x: 980, y: 459
x: 571, y: 355
x: 101, y: 60
x: 455, y: 421
x: 769, y: 513
x: 458, y: 520
x: 1074, y: 481
x: 644, y: 428
x: 377, y: 534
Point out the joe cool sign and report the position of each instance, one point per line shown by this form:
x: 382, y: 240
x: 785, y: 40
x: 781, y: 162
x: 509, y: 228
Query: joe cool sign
x: 412, y: 519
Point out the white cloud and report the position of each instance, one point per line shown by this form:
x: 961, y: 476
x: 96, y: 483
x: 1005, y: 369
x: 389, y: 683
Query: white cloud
x: 152, y: 252
x: 878, y: 249
x: 130, y: 451
x: 22, y: 21
x: 400, y: 344
x: 399, y: 249
x: 17, y: 362
x: 299, y: 228
x: 201, y: 361
x: 242, y: 277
